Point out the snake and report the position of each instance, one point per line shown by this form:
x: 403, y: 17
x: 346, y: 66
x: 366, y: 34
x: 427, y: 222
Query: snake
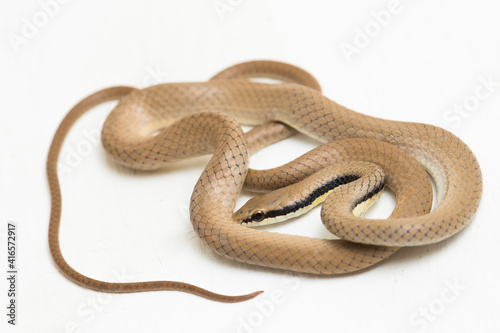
x: 360, y: 155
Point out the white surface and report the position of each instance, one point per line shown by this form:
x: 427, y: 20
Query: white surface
x: 118, y: 224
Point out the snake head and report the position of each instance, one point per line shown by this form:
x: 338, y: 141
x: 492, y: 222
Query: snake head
x: 258, y: 210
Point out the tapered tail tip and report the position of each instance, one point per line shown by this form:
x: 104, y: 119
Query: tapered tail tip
x: 243, y: 298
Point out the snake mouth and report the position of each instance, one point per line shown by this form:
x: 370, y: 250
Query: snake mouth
x: 259, y: 224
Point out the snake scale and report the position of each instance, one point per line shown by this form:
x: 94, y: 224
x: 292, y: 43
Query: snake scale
x: 155, y: 126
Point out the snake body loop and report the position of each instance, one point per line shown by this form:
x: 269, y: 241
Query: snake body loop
x: 152, y: 127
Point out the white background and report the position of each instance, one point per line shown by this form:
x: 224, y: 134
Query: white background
x: 121, y: 225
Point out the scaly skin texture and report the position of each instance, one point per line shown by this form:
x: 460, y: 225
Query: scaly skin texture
x: 145, y: 132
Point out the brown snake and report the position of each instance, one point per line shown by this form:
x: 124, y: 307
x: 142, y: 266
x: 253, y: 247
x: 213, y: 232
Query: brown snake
x: 145, y: 131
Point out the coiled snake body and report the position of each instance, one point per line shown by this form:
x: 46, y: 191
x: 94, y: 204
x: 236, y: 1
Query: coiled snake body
x: 152, y: 127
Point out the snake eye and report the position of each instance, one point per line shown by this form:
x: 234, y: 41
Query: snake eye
x: 258, y: 216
